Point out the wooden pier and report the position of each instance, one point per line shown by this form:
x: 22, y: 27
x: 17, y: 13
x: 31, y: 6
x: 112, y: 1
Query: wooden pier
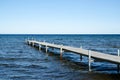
x: 83, y: 52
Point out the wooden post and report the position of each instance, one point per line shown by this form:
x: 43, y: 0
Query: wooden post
x: 80, y: 57
x: 89, y: 62
x: 33, y: 44
x: 46, y: 48
x: 28, y: 42
x: 118, y: 66
x: 39, y: 47
x: 80, y: 54
x: 61, y: 52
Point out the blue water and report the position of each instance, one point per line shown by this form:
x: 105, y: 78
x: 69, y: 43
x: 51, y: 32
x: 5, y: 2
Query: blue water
x: 19, y: 61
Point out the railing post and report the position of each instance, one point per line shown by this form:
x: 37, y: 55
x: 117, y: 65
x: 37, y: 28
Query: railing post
x: 89, y: 60
x: 118, y: 66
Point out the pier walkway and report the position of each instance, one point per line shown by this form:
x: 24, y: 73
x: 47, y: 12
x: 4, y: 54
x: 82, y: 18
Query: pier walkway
x: 83, y: 52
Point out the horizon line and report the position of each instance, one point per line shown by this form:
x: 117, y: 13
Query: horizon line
x: 59, y: 34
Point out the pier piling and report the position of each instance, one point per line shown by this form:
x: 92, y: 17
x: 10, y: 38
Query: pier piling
x: 33, y: 44
x: 118, y: 65
x: 46, y: 48
x: 39, y: 47
x: 61, y: 52
x: 89, y: 60
x: 80, y: 54
x: 81, y: 57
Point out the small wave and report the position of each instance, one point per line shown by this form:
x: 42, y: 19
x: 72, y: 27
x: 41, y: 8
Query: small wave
x: 10, y: 65
x: 36, y: 66
x: 20, y: 77
x: 17, y: 59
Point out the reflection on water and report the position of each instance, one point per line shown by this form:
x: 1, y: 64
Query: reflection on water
x: 20, y: 61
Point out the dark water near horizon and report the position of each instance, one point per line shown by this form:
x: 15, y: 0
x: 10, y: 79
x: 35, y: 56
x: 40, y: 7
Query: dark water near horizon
x: 19, y: 61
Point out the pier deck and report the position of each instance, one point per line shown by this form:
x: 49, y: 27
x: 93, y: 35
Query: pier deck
x: 90, y: 54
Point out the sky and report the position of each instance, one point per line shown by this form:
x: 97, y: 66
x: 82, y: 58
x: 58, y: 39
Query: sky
x: 59, y: 16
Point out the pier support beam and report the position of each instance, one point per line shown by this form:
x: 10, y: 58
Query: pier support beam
x: 28, y: 42
x: 61, y: 52
x: 46, y: 48
x: 33, y: 44
x: 39, y: 47
x: 89, y: 60
x: 81, y: 57
x: 118, y: 65
x: 80, y: 54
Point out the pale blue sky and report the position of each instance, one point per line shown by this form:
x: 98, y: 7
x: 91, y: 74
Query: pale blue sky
x: 59, y: 16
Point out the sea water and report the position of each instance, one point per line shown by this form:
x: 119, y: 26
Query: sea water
x: 19, y: 61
